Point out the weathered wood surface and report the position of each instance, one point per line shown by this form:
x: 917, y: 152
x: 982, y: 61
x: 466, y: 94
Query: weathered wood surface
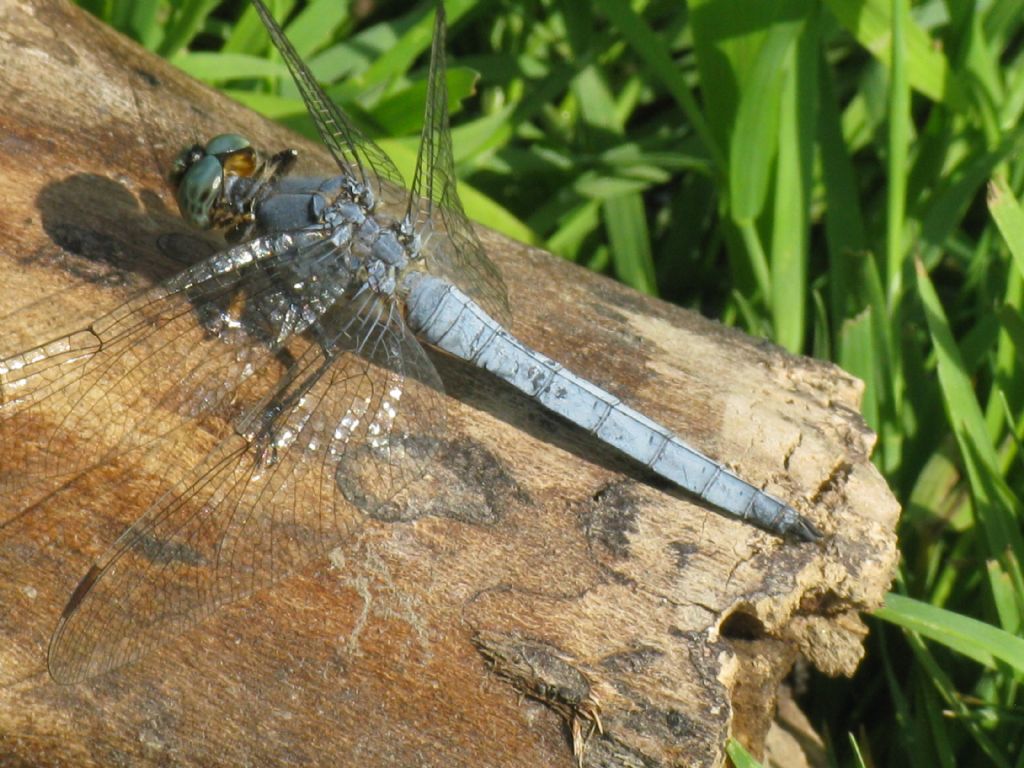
x: 413, y: 645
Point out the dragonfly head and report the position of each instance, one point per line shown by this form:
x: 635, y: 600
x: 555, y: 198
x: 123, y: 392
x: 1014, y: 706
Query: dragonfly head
x: 202, y: 174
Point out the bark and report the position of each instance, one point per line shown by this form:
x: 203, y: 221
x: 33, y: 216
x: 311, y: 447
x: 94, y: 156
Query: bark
x: 561, y: 602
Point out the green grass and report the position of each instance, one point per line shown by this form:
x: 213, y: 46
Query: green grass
x: 841, y: 178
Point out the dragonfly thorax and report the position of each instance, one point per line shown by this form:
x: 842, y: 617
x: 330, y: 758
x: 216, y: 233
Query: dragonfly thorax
x: 370, y: 243
x: 228, y: 184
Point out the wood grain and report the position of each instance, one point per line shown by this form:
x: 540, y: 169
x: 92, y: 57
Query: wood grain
x: 559, y: 589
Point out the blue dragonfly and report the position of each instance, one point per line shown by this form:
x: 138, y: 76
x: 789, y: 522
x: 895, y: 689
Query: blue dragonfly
x: 298, y: 353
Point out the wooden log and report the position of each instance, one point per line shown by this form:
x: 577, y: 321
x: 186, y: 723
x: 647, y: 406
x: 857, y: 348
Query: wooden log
x: 563, y: 592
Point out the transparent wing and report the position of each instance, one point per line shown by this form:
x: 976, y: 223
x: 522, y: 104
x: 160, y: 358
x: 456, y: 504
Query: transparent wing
x: 459, y: 255
x: 356, y: 155
x: 357, y: 418
x: 185, y: 349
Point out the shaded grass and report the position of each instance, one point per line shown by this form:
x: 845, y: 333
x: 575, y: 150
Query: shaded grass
x: 815, y: 173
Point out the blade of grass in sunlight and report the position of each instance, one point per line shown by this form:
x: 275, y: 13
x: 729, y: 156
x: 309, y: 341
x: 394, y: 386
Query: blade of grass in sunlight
x: 739, y: 756
x: 856, y: 752
x: 859, y: 356
x: 975, y: 639
x: 792, y: 209
x: 627, y: 233
x: 752, y: 151
x: 872, y: 23
x: 899, y: 139
x: 1008, y: 216
x: 312, y: 27
x: 222, y: 67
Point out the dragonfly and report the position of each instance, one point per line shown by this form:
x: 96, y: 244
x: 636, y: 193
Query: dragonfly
x: 286, y: 378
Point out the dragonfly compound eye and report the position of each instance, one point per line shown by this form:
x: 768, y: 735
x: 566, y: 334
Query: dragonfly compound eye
x: 226, y: 143
x: 235, y: 154
x: 199, y: 189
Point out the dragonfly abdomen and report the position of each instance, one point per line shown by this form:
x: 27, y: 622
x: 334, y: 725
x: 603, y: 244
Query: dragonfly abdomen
x: 448, y: 319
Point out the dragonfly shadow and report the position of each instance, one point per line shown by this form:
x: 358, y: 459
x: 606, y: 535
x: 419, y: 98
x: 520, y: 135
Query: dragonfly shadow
x: 108, y: 236
x: 479, y: 389
x: 110, y: 243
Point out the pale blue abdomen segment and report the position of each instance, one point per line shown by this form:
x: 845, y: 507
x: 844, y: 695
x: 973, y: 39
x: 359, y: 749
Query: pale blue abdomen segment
x: 446, y: 318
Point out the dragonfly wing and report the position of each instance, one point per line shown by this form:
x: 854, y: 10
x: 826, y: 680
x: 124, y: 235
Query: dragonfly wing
x: 458, y: 255
x: 184, y: 349
x: 357, y: 156
x: 344, y: 430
